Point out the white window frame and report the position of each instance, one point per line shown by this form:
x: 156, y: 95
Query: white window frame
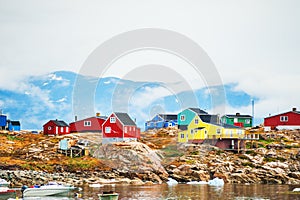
x: 182, y: 135
x: 108, y: 129
x: 67, y: 129
x: 182, y: 117
x: 196, y: 121
x: 247, y: 121
x: 125, y: 129
x: 62, y: 129
x: 112, y: 120
x: 218, y: 131
x: 49, y: 128
x: 192, y: 131
x: 87, y: 123
x: 235, y: 120
x: 284, y: 118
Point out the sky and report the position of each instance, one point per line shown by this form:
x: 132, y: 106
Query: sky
x: 252, y: 43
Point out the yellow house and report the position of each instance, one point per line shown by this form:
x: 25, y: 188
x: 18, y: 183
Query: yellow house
x: 197, y: 125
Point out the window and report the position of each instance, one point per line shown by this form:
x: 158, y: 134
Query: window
x: 235, y: 120
x: 67, y: 129
x: 87, y: 123
x: 154, y: 124
x: 182, y: 117
x: 218, y: 131
x: 130, y: 128
x: 148, y: 123
x: 224, y: 120
x: 112, y: 120
x: 125, y: 129
x: 133, y: 128
x: 107, y: 129
x: 49, y: 128
x: 182, y: 135
x: 196, y: 121
x: 205, y: 132
x: 61, y: 129
x: 284, y: 118
x: 247, y: 121
x: 192, y: 131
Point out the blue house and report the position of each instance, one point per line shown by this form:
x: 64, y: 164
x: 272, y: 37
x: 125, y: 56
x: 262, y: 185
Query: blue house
x: 161, y: 121
x: 14, y: 125
x: 3, y: 121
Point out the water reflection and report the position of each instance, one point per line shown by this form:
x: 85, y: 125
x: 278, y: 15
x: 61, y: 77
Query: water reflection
x: 186, y: 192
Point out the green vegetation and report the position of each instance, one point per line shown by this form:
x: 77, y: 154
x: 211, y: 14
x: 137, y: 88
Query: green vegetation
x: 248, y: 164
x: 13, y: 138
x: 271, y: 159
x: 251, y: 152
x: 171, y: 151
x: 243, y: 157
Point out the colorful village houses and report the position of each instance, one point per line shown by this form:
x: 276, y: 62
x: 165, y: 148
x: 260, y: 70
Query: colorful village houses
x: 119, y: 127
x: 91, y: 124
x: 237, y: 120
x: 13, y: 125
x: 6, y: 124
x: 286, y: 120
x: 161, y: 121
x: 56, y: 127
x: 197, y: 127
x: 3, y: 121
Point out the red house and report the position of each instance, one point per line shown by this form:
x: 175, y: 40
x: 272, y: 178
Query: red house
x: 91, y: 124
x: 287, y: 120
x: 56, y: 127
x: 119, y: 127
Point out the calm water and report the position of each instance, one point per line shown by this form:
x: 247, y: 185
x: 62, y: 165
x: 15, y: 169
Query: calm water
x: 183, y: 191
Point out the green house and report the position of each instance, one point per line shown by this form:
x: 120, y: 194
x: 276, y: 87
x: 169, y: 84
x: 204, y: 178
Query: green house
x: 237, y: 120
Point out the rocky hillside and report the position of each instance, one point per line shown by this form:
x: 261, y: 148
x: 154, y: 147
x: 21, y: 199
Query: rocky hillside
x: 275, y: 158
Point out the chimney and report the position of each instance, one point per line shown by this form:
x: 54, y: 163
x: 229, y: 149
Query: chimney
x: 75, y: 118
x: 237, y: 114
x: 294, y: 109
x: 97, y: 114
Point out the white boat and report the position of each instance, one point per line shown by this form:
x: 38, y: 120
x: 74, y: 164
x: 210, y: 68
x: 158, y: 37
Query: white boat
x: 50, y: 189
x: 108, y: 196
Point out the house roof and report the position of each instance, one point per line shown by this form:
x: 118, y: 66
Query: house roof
x: 98, y: 117
x: 125, y: 119
x: 59, y: 123
x: 182, y: 127
x: 209, y: 118
x: 226, y: 125
x: 15, y: 123
x: 168, y: 116
x: 239, y: 116
x: 198, y: 111
x: 296, y: 112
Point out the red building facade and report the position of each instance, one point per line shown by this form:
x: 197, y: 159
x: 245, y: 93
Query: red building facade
x: 91, y: 124
x: 119, y: 127
x: 287, y: 120
x: 56, y: 127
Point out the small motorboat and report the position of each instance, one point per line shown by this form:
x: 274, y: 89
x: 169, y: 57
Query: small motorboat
x: 50, y: 189
x: 6, y: 192
x: 108, y: 196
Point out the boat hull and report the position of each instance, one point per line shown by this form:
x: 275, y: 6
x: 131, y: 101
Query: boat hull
x: 39, y: 192
x: 113, y: 196
x: 7, y: 194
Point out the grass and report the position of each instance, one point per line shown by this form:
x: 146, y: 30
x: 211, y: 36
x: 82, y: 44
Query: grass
x: 250, y: 164
x: 13, y: 138
x: 171, y: 151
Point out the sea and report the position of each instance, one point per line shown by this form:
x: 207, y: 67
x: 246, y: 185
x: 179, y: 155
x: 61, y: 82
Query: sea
x: 187, y: 192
